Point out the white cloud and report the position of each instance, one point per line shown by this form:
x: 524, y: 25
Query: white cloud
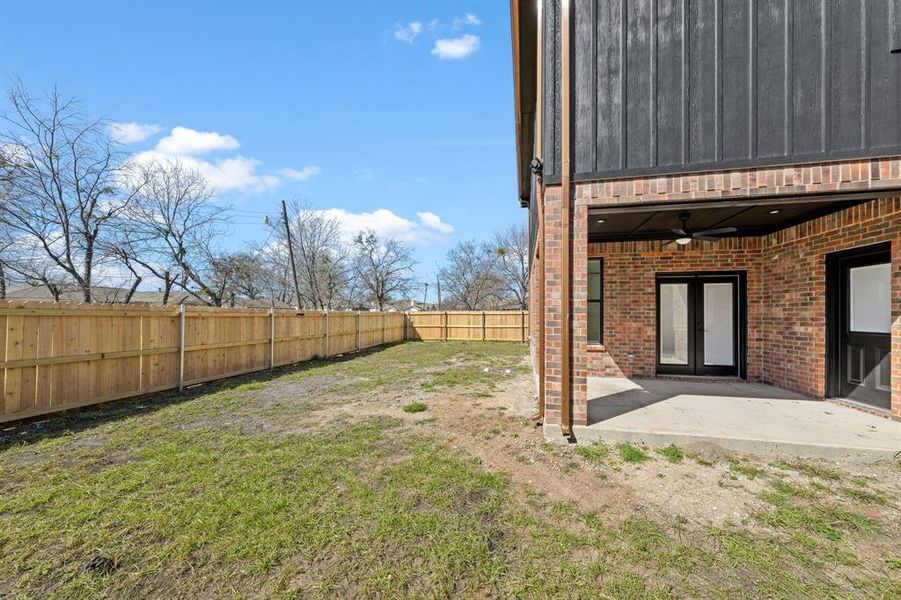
x: 433, y: 221
x: 456, y: 48
x: 467, y: 19
x: 225, y: 174
x: 385, y: 223
x: 408, y: 33
x: 186, y: 141
x: 301, y: 174
x: 132, y: 133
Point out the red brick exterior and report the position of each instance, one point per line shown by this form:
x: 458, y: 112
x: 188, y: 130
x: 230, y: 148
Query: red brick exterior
x: 785, y: 274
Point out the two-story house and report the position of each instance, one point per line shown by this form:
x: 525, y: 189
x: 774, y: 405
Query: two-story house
x: 714, y: 190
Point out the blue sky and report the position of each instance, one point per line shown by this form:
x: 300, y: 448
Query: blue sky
x: 353, y: 106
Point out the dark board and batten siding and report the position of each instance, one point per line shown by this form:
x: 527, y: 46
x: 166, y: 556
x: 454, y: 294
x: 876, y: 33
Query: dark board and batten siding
x: 668, y: 86
x: 550, y: 139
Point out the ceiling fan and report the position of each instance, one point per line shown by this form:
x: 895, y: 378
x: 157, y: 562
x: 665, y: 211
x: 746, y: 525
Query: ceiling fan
x: 684, y: 236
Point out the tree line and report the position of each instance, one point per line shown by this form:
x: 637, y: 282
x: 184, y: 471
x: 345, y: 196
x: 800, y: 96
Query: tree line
x: 76, y: 211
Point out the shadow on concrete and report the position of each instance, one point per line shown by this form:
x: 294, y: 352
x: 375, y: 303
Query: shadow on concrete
x: 612, y: 397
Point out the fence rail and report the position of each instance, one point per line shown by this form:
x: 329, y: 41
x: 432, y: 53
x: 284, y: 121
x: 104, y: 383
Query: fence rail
x: 61, y: 356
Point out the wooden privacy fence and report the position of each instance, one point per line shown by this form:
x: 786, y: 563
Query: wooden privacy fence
x: 499, y: 325
x: 61, y: 356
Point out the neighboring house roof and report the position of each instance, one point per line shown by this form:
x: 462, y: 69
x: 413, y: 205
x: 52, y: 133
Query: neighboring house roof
x: 113, y: 294
x: 68, y: 294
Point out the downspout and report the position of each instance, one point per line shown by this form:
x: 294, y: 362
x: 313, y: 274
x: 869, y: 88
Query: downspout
x: 539, y: 198
x: 566, y: 223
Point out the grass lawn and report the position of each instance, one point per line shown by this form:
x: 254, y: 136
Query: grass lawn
x: 320, y: 480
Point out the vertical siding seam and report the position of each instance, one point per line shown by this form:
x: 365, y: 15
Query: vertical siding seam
x: 593, y: 145
x: 826, y: 80
x: 624, y: 84
x: 718, y: 74
x: 686, y: 83
x: 652, y: 105
x: 752, y: 83
x: 865, y: 76
x: 788, y: 141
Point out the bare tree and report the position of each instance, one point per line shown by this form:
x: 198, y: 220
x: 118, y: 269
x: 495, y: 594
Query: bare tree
x: 320, y: 256
x: 511, y: 248
x: 64, y: 174
x: 469, y: 275
x: 171, y: 232
x: 247, y: 275
x: 384, y: 268
x: 275, y: 270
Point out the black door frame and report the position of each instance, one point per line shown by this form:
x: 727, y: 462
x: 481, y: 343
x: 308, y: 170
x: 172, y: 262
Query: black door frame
x: 695, y: 364
x: 836, y: 309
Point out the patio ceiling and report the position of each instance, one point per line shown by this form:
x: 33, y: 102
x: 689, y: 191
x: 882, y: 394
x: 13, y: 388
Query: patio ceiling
x: 752, y: 217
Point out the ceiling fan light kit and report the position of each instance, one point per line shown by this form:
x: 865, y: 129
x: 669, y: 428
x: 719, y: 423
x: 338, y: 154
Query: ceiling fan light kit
x: 685, y: 237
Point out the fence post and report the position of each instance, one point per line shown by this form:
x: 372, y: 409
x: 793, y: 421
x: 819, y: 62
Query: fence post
x: 383, y: 328
x: 181, y: 347
x: 325, y: 352
x: 359, y: 318
x: 445, y: 326
x: 522, y: 326
x: 271, y: 337
x: 406, y: 316
x: 483, y: 325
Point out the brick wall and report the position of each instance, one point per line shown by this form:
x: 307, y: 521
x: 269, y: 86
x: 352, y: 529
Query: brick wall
x: 786, y: 320
x: 854, y: 176
x: 786, y: 275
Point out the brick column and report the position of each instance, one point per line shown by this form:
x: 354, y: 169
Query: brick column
x: 580, y: 314
x: 553, y: 286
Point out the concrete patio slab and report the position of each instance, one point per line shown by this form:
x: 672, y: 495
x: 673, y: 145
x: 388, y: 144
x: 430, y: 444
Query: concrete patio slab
x: 736, y: 415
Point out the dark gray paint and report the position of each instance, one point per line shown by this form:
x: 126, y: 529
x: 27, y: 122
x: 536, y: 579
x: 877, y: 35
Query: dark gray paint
x: 551, y: 90
x: 667, y: 86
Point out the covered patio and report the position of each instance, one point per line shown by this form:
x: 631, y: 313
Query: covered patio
x: 736, y: 415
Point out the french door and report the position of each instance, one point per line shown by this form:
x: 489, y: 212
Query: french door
x: 700, y: 324
x: 859, y: 325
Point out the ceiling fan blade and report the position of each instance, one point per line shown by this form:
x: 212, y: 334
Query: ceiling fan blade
x: 680, y: 232
x: 706, y: 238
x: 667, y: 243
x: 718, y: 231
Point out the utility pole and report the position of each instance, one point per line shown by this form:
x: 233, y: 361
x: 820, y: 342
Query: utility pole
x: 438, y: 283
x: 291, y: 254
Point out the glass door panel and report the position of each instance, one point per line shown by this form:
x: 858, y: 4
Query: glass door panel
x: 674, y: 323
x: 870, y: 298
x: 719, y: 325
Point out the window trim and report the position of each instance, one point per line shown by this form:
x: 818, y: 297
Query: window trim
x: 599, y: 300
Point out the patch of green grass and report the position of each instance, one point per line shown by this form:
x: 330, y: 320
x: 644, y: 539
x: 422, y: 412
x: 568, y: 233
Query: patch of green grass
x: 671, y: 452
x: 794, y: 509
x: 631, y: 454
x: 250, y: 386
x: 745, y: 468
x: 863, y: 496
x: 810, y: 469
x: 595, y: 453
x: 415, y: 407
